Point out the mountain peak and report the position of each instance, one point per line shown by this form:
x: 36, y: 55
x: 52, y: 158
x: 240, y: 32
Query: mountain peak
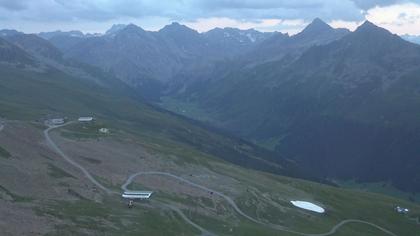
x: 318, y: 20
x: 175, y: 23
x: 317, y: 25
x: 131, y: 28
x: 369, y: 28
x: 115, y: 28
x: 367, y: 25
x: 176, y: 27
x: 52, y: 34
x: 7, y: 32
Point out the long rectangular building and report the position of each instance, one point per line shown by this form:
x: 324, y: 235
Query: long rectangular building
x: 132, y: 195
x: 85, y: 119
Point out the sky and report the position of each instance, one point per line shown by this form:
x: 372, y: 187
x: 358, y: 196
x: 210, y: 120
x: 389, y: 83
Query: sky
x: 287, y: 16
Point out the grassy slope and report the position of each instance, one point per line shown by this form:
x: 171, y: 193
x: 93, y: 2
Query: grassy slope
x: 272, y: 204
x: 28, y: 95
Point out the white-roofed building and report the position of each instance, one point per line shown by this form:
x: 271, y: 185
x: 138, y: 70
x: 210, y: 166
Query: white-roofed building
x: 137, y: 195
x: 104, y: 130
x: 85, y: 119
x: 57, y: 121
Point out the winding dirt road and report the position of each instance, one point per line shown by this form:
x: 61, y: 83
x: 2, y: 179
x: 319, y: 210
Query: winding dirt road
x: 231, y: 202
x: 240, y: 212
x: 204, y: 232
x: 54, y: 146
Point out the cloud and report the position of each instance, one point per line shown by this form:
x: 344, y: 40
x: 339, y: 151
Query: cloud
x: 252, y: 4
x: 16, y: 5
x: 183, y: 9
x: 367, y: 4
x: 400, y: 19
x: 40, y: 15
x: 351, y: 25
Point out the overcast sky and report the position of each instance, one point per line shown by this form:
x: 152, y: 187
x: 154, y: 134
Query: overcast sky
x: 31, y: 16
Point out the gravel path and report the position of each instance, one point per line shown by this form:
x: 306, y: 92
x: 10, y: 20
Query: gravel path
x: 71, y: 161
x: 204, y: 232
x: 239, y: 211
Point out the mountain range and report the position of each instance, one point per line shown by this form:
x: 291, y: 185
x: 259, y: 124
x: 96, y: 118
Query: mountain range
x: 342, y: 105
x: 346, y: 109
x: 148, y: 60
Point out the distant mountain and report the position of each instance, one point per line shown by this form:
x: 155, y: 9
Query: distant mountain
x: 149, y: 61
x: 8, y: 33
x: 115, y: 28
x: 65, y: 40
x: 12, y: 55
x: 35, y: 45
x: 411, y: 38
x: 345, y: 107
x: 280, y: 46
x: 270, y: 47
x: 44, y: 56
x: 50, y: 35
x: 180, y: 37
x: 234, y: 41
x: 137, y: 57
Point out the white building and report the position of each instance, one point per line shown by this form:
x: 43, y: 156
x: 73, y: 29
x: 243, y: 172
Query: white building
x: 401, y: 210
x: 57, y: 121
x: 85, y: 119
x: 104, y: 130
x: 137, y: 195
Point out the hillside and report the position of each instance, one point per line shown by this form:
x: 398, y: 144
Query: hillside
x: 42, y: 91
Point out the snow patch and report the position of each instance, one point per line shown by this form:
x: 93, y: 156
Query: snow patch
x: 308, y: 206
x: 251, y: 38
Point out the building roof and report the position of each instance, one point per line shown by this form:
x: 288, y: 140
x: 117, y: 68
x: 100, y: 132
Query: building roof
x: 57, y: 121
x: 87, y: 118
x: 137, y: 194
